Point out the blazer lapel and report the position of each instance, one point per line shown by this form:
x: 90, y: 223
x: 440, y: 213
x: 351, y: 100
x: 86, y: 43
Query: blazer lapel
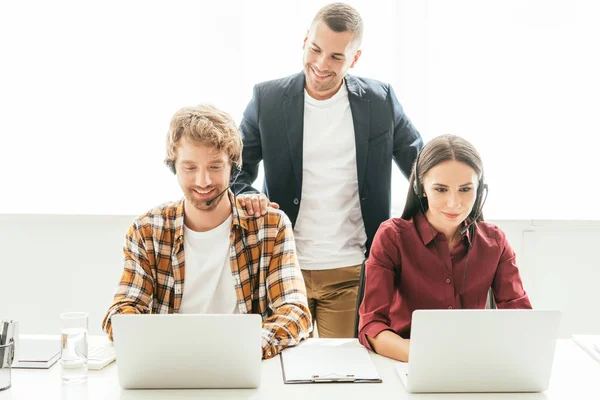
x: 293, y: 110
x: 360, y: 115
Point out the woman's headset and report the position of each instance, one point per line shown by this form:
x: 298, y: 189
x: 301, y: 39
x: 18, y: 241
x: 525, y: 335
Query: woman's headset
x: 478, y: 207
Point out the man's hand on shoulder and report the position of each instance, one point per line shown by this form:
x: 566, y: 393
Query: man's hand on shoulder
x: 256, y: 203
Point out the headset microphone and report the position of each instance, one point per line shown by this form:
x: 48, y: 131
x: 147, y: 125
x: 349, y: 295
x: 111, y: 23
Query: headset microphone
x: 209, y: 202
x: 236, y: 170
x: 479, y: 205
x: 463, y: 228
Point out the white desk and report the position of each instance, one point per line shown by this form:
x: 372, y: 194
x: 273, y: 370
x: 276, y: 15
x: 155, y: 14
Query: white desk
x: 575, y: 376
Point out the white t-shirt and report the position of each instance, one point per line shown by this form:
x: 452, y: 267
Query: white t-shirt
x: 329, y: 231
x: 208, y: 283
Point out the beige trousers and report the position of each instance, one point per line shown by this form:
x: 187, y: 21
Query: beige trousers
x: 332, y: 300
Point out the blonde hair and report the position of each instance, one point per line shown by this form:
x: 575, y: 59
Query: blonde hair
x: 207, y: 125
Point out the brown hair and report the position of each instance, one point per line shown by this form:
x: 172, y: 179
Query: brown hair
x: 208, y: 125
x: 442, y: 148
x: 341, y: 17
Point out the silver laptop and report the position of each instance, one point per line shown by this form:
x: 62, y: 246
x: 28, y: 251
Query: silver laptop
x: 480, y: 351
x: 165, y: 351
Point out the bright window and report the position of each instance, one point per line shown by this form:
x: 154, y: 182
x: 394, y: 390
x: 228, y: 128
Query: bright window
x: 88, y: 89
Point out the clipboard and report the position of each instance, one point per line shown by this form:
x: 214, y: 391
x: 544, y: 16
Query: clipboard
x: 328, y: 364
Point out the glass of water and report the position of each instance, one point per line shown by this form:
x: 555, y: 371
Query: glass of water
x: 74, y: 347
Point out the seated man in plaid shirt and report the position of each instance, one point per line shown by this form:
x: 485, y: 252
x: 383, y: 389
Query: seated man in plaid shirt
x: 231, y: 262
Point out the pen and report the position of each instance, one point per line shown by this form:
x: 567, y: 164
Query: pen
x: 7, y: 336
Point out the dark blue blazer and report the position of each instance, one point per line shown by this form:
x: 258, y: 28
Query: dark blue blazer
x: 272, y: 131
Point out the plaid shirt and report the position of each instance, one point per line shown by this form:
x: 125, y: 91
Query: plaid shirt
x: 152, y: 280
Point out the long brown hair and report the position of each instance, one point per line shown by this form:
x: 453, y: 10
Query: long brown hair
x: 443, y: 148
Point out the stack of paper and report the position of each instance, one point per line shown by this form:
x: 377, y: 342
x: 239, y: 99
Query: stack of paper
x: 37, y: 353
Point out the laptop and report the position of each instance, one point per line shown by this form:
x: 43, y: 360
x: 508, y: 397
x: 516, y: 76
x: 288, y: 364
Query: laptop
x: 188, y: 351
x: 480, y: 351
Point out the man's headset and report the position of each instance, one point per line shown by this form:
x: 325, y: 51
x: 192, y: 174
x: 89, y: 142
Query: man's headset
x: 478, y: 207
x: 236, y: 170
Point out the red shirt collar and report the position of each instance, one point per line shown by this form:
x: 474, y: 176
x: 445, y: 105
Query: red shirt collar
x: 428, y: 232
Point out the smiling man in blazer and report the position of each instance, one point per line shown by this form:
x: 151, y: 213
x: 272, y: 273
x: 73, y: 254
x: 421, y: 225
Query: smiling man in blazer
x: 327, y: 140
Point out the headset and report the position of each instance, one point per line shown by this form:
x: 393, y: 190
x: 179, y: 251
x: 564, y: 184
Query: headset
x: 236, y: 170
x: 470, y: 226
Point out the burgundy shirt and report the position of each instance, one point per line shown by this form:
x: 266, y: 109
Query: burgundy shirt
x: 404, y: 273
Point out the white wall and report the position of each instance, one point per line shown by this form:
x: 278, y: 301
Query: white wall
x: 56, y: 263
x: 84, y: 80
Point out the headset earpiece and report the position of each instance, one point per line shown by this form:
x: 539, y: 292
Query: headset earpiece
x: 481, y: 188
x: 417, y: 187
x: 236, y: 170
x: 171, y: 166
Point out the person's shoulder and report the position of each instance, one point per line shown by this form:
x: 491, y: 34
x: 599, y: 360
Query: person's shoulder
x: 279, y: 85
x: 396, y: 225
x: 372, y: 87
x: 491, y: 233
x: 275, y: 218
x: 161, y: 216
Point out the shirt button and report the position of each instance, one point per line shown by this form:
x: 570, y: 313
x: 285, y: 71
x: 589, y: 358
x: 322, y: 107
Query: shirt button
x: 296, y: 201
x: 269, y: 354
x: 449, y: 307
x: 448, y: 280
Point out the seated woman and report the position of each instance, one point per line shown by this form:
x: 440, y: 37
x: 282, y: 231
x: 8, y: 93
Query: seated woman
x: 440, y: 254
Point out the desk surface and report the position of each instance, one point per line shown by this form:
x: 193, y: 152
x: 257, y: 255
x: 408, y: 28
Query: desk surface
x: 575, y: 375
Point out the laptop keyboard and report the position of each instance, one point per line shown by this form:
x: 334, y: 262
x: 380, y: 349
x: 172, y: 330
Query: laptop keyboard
x: 100, y: 356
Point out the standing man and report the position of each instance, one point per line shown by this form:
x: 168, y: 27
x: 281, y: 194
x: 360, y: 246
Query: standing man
x: 327, y: 140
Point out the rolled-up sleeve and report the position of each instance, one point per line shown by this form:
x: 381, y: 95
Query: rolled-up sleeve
x: 133, y: 294
x: 507, y: 286
x: 380, y: 272
x: 291, y: 320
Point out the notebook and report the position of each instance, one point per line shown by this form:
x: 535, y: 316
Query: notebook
x: 37, y: 353
x: 590, y: 344
x: 327, y: 363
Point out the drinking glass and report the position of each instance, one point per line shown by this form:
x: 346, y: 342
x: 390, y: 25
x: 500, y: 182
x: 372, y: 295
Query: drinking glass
x: 74, y: 347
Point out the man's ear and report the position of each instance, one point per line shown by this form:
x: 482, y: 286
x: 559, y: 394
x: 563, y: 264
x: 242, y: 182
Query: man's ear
x: 305, y: 39
x: 356, y: 57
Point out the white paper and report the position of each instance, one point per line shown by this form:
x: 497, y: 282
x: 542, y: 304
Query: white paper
x: 302, y: 363
x: 589, y: 343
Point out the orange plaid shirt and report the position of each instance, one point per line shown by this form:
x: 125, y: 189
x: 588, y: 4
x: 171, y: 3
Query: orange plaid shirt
x: 152, y: 280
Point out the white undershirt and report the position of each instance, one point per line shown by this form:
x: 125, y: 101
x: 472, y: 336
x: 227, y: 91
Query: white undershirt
x: 208, y: 283
x: 329, y: 231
